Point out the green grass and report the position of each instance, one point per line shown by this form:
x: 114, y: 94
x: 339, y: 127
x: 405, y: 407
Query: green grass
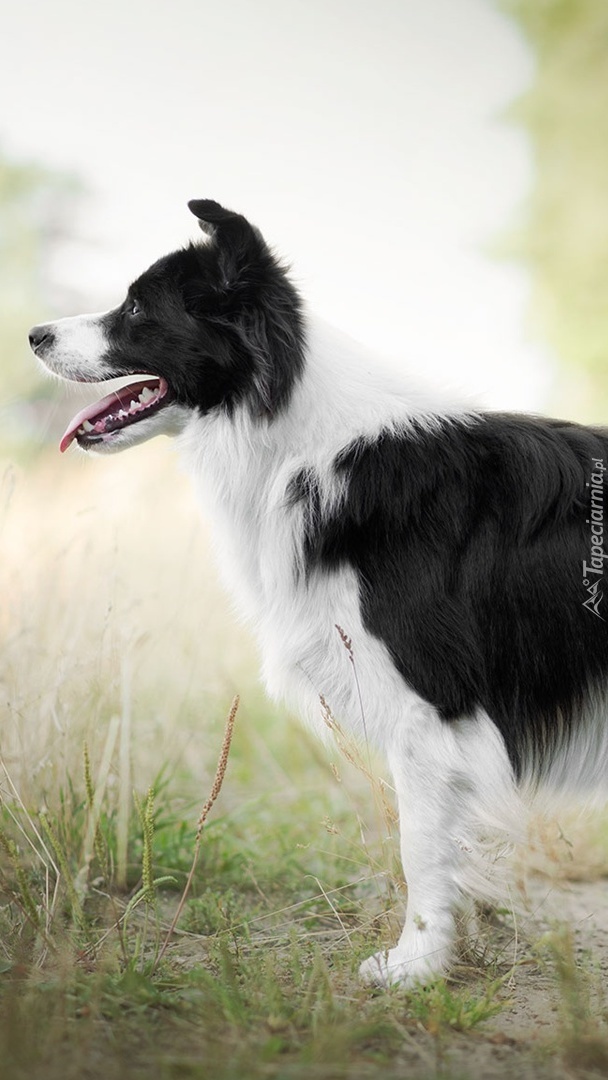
x: 291, y: 891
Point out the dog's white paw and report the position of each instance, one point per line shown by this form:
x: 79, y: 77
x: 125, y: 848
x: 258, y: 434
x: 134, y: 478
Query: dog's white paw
x: 397, y: 967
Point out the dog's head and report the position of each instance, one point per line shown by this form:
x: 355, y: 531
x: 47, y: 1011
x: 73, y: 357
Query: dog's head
x: 212, y: 326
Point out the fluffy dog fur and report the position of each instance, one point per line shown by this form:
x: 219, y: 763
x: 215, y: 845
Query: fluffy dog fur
x: 461, y: 551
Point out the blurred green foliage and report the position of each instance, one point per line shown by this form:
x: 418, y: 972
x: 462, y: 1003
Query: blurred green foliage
x: 33, y: 210
x: 564, y: 237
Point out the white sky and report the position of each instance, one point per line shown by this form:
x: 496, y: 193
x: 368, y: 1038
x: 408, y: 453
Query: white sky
x: 364, y: 138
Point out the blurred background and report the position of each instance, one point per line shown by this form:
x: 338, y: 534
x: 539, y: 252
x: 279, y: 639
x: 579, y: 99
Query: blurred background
x: 437, y: 176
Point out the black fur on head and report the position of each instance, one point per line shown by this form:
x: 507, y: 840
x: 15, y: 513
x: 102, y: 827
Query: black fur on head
x: 219, y: 320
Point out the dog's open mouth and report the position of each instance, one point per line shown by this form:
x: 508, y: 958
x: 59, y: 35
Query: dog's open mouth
x: 101, y: 421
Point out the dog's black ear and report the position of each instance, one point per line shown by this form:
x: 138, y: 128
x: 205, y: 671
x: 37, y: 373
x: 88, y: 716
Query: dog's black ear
x: 213, y: 218
x: 242, y: 254
x: 246, y: 292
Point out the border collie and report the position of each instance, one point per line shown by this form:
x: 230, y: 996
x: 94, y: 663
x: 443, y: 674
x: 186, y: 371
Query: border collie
x: 461, y: 551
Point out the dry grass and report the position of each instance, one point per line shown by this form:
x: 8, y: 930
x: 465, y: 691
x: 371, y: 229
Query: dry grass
x: 108, y: 595
x: 218, y: 780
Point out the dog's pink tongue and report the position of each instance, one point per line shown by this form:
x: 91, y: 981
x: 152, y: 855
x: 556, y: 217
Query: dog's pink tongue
x: 99, y: 410
x: 85, y: 414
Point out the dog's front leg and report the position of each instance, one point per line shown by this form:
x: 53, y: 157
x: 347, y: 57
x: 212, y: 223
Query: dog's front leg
x: 432, y: 796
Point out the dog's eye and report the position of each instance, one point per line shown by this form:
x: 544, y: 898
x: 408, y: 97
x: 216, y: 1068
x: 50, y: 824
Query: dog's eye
x: 134, y: 308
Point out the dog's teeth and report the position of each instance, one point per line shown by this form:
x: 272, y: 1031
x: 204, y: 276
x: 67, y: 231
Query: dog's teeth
x: 86, y: 425
x: 146, y: 395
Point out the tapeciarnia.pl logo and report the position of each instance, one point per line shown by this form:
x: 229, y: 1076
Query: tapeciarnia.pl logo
x: 593, y: 571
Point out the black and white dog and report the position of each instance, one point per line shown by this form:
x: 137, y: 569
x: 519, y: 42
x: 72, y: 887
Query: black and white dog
x: 463, y: 552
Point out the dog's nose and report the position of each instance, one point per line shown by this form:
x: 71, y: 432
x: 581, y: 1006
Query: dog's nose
x: 38, y: 334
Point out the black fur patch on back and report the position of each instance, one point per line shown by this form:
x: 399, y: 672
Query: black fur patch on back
x: 469, y: 542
